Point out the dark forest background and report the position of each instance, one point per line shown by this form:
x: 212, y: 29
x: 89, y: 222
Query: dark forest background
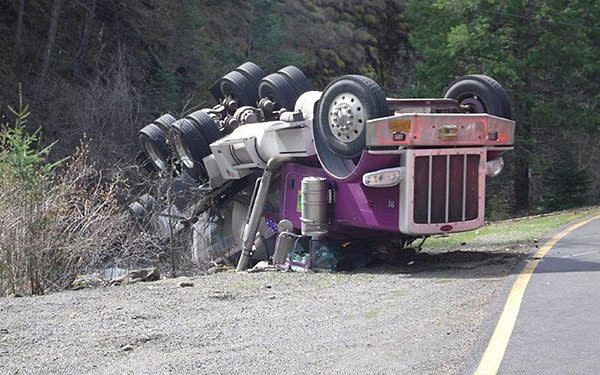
x: 106, y: 68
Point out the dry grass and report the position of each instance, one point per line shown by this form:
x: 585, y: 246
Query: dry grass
x: 58, y: 220
x: 62, y: 226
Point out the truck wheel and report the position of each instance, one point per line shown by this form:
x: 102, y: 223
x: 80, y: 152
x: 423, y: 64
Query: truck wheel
x: 190, y: 146
x: 142, y: 208
x: 346, y: 105
x: 278, y: 89
x: 480, y: 94
x: 165, y: 122
x: 297, y: 78
x: 154, y: 142
x: 237, y: 86
x: 253, y: 72
x: 208, y: 127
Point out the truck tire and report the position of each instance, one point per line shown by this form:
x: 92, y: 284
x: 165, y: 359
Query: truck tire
x: 154, y: 142
x: 237, y: 86
x: 253, y: 72
x: 481, y: 94
x: 190, y: 146
x: 345, y: 107
x: 165, y: 122
x: 297, y: 78
x: 278, y: 89
x: 208, y: 127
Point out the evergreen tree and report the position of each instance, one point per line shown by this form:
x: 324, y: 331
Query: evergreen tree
x: 544, y: 52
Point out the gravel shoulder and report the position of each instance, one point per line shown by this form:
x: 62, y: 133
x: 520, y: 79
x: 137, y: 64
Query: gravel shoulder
x: 384, y: 321
x: 423, y: 317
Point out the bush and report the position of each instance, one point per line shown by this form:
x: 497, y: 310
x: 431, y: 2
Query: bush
x: 568, y: 185
x: 56, y: 219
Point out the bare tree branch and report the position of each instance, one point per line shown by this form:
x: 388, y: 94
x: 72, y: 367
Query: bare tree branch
x: 19, y: 31
x: 39, y: 84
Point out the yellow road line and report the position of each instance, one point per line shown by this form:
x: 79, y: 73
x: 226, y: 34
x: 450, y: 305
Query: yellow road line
x: 492, y: 357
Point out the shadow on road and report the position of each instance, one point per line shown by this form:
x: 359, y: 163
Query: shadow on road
x: 467, y: 264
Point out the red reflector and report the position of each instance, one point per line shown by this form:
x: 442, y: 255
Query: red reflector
x: 399, y: 136
x: 446, y: 228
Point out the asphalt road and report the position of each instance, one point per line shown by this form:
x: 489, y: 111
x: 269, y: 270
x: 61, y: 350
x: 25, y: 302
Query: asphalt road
x: 557, y: 330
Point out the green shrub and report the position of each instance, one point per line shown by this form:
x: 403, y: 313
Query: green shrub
x: 21, y: 162
x: 567, y: 185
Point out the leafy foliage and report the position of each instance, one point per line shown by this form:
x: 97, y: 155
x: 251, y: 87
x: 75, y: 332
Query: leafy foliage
x: 544, y: 52
x: 118, y: 64
x: 21, y: 162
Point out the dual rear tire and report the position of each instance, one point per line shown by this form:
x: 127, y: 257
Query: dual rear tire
x: 284, y: 87
x: 190, y: 138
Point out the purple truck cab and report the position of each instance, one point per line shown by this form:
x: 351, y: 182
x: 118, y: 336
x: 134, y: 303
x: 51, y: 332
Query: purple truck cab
x: 442, y: 160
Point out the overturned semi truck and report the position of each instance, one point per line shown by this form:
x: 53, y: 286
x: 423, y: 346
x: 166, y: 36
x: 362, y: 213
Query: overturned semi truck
x: 281, y: 161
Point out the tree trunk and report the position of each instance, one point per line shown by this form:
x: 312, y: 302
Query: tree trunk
x: 526, y: 37
x: 85, y: 41
x: 19, y: 31
x: 521, y: 181
x: 39, y: 84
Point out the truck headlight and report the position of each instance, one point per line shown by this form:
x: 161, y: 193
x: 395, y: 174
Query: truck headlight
x: 384, y: 177
x: 494, y: 167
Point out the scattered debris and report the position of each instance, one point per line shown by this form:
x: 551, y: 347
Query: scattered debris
x: 219, y: 294
x: 115, y: 276
x: 127, y: 348
x: 144, y: 274
x: 186, y: 284
x: 299, y: 262
x: 263, y: 266
x: 111, y: 273
x: 326, y: 257
x: 218, y: 268
x: 134, y: 276
x: 90, y: 280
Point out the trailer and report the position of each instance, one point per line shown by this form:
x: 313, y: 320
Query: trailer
x: 284, y: 161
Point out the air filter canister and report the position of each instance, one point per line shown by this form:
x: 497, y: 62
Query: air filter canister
x: 315, y: 206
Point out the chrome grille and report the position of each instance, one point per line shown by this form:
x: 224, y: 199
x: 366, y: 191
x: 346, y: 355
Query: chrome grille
x: 446, y: 188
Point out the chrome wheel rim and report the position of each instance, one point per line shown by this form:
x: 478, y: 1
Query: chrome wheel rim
x: 154, y: 155
x: 182, y: 151
x: 347, y: 117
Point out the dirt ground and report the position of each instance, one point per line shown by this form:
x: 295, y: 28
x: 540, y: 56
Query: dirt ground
x: 420, y: 316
